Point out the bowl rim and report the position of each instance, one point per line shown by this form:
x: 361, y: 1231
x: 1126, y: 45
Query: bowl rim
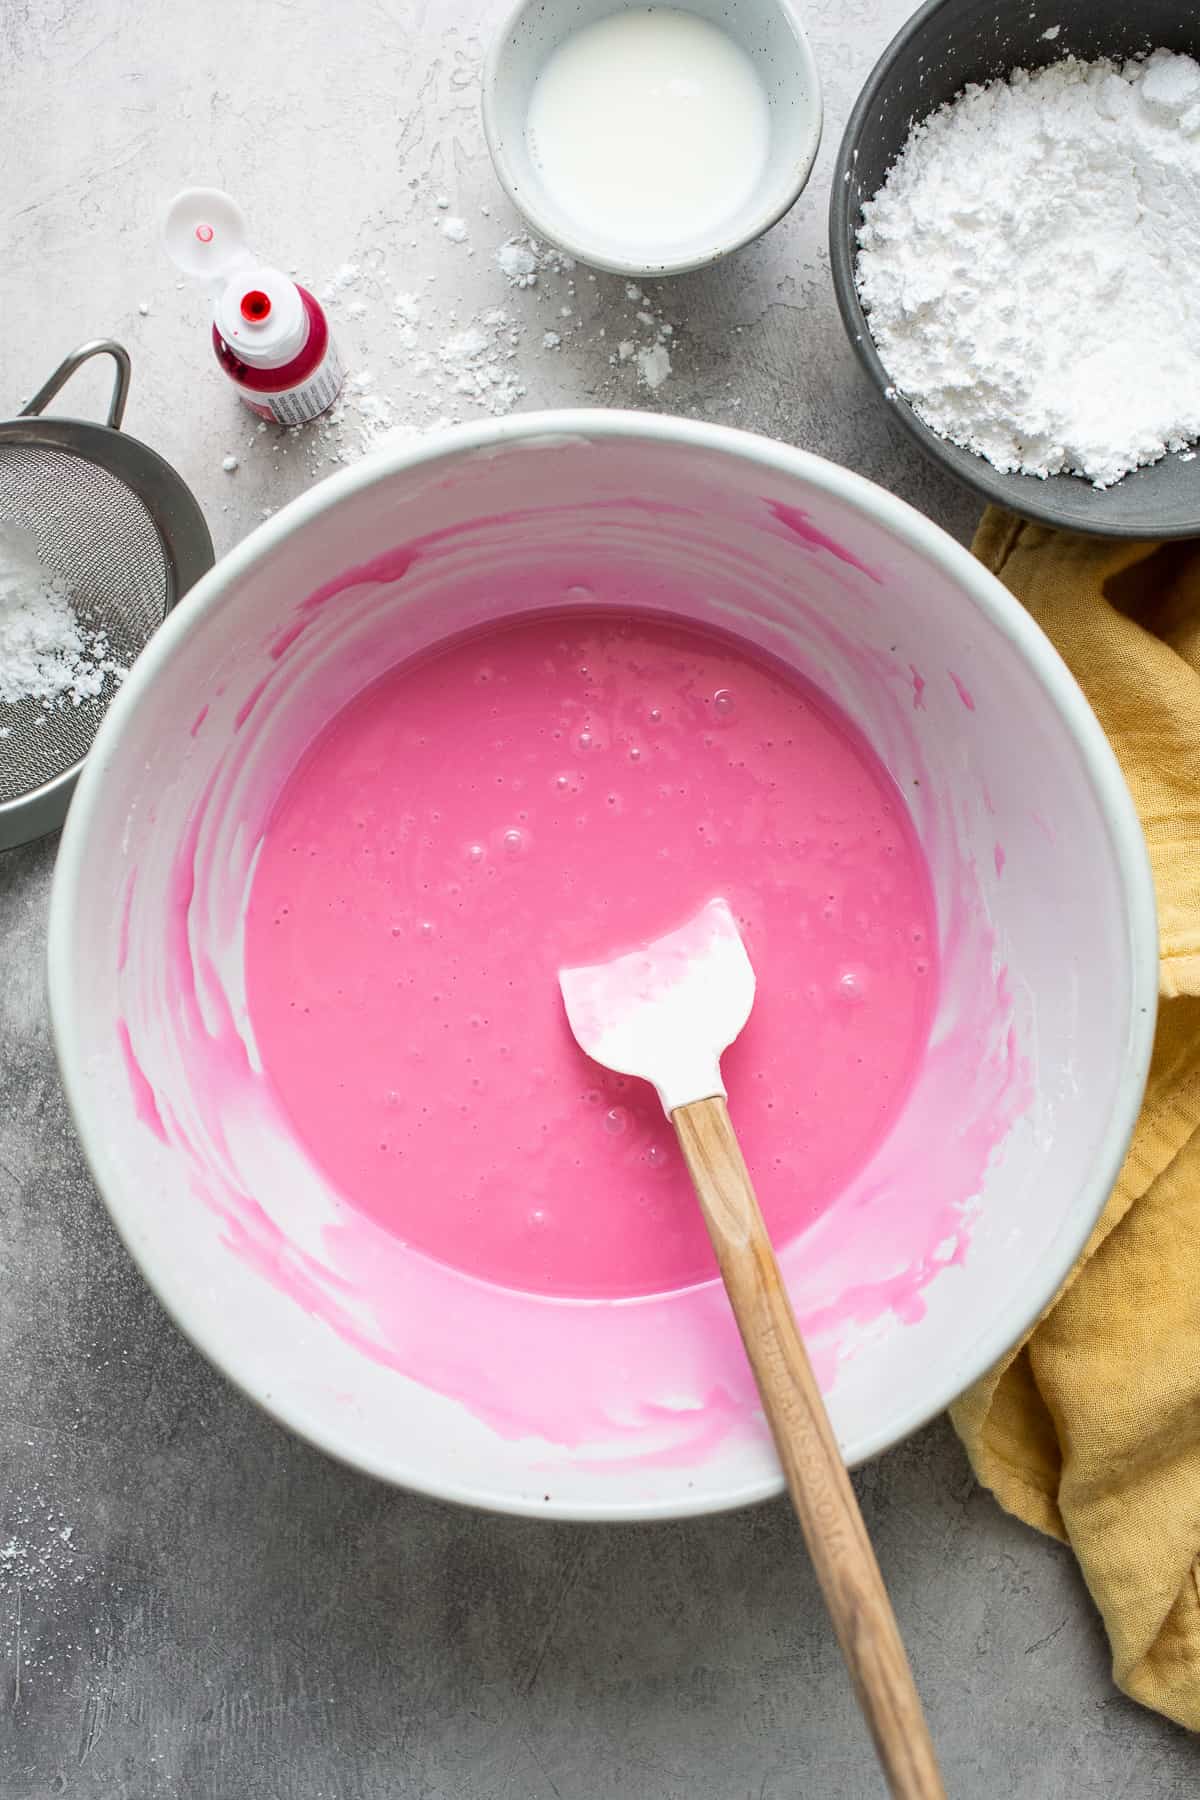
x: 753, y: 226
x: 70, y: 896
x: 987, y: 481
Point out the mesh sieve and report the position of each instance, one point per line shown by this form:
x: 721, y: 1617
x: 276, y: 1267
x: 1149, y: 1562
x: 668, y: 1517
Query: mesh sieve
x: 123, y: 531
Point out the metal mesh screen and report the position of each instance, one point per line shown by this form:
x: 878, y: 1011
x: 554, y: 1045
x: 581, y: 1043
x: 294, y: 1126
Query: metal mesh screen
x: 93, y: 531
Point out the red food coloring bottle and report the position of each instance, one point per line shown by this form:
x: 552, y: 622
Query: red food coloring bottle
x: 270, y: 335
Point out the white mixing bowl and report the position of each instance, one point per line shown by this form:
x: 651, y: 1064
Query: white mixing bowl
x: 965, y: 1220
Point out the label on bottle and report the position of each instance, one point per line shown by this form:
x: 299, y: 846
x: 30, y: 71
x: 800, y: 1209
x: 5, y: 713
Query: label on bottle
x: 296, y: 406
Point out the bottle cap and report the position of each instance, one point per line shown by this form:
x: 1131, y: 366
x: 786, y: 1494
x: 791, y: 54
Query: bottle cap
x: 206, y: 235
x: 261, y: 317
x: 258, y: 311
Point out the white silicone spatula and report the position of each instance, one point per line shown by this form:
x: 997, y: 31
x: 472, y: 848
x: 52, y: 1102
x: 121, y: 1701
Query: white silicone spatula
x: 666, y: 1013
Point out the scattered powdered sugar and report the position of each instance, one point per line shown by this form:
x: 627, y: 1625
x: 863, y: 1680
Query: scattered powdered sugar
x: 46, y: 654
x: 478, y: 362
x: 37, y: 1558
x: 39, y: 1567
x: 517, y: 260
x: 432, y: 365
x: 522, y: 259
x: 653, y: 364
x: 345, y: 277
x: 1029, y: 267
x: 363, y: 415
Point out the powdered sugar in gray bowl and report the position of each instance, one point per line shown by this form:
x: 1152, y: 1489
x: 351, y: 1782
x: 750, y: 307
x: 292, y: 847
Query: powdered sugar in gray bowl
x: 1014, y: 234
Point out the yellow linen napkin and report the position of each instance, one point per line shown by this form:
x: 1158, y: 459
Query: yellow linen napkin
x: 1090, y: 1429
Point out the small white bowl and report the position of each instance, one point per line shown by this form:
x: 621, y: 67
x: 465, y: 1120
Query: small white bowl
x: 769, y: 32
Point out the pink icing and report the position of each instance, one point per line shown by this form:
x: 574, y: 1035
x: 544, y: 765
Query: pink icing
x: 963, y: 691
x: 550, y: 794
x: 798, y: 522
x: 249, y: 703
x: 144, y: 1103
x: 664, y: 1374
x: 123, y: 930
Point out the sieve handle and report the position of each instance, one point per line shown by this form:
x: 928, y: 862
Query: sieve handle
x: 68, y: 366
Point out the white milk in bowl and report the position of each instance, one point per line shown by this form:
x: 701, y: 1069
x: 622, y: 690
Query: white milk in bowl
x: 649, y: 127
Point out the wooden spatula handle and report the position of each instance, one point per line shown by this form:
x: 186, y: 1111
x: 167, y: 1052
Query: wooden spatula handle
x: 816, y: 1475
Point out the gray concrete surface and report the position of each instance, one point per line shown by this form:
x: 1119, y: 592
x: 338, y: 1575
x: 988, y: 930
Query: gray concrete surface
x: 192, y: 1604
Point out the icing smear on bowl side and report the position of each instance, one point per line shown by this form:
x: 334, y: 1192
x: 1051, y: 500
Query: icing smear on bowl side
x: 587, y: 1326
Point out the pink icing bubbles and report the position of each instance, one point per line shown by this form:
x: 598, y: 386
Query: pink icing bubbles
x: 479, y: 818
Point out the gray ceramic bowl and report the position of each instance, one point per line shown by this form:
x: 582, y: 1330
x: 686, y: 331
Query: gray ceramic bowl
x: 769, y: 31
x: 943, y: 47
